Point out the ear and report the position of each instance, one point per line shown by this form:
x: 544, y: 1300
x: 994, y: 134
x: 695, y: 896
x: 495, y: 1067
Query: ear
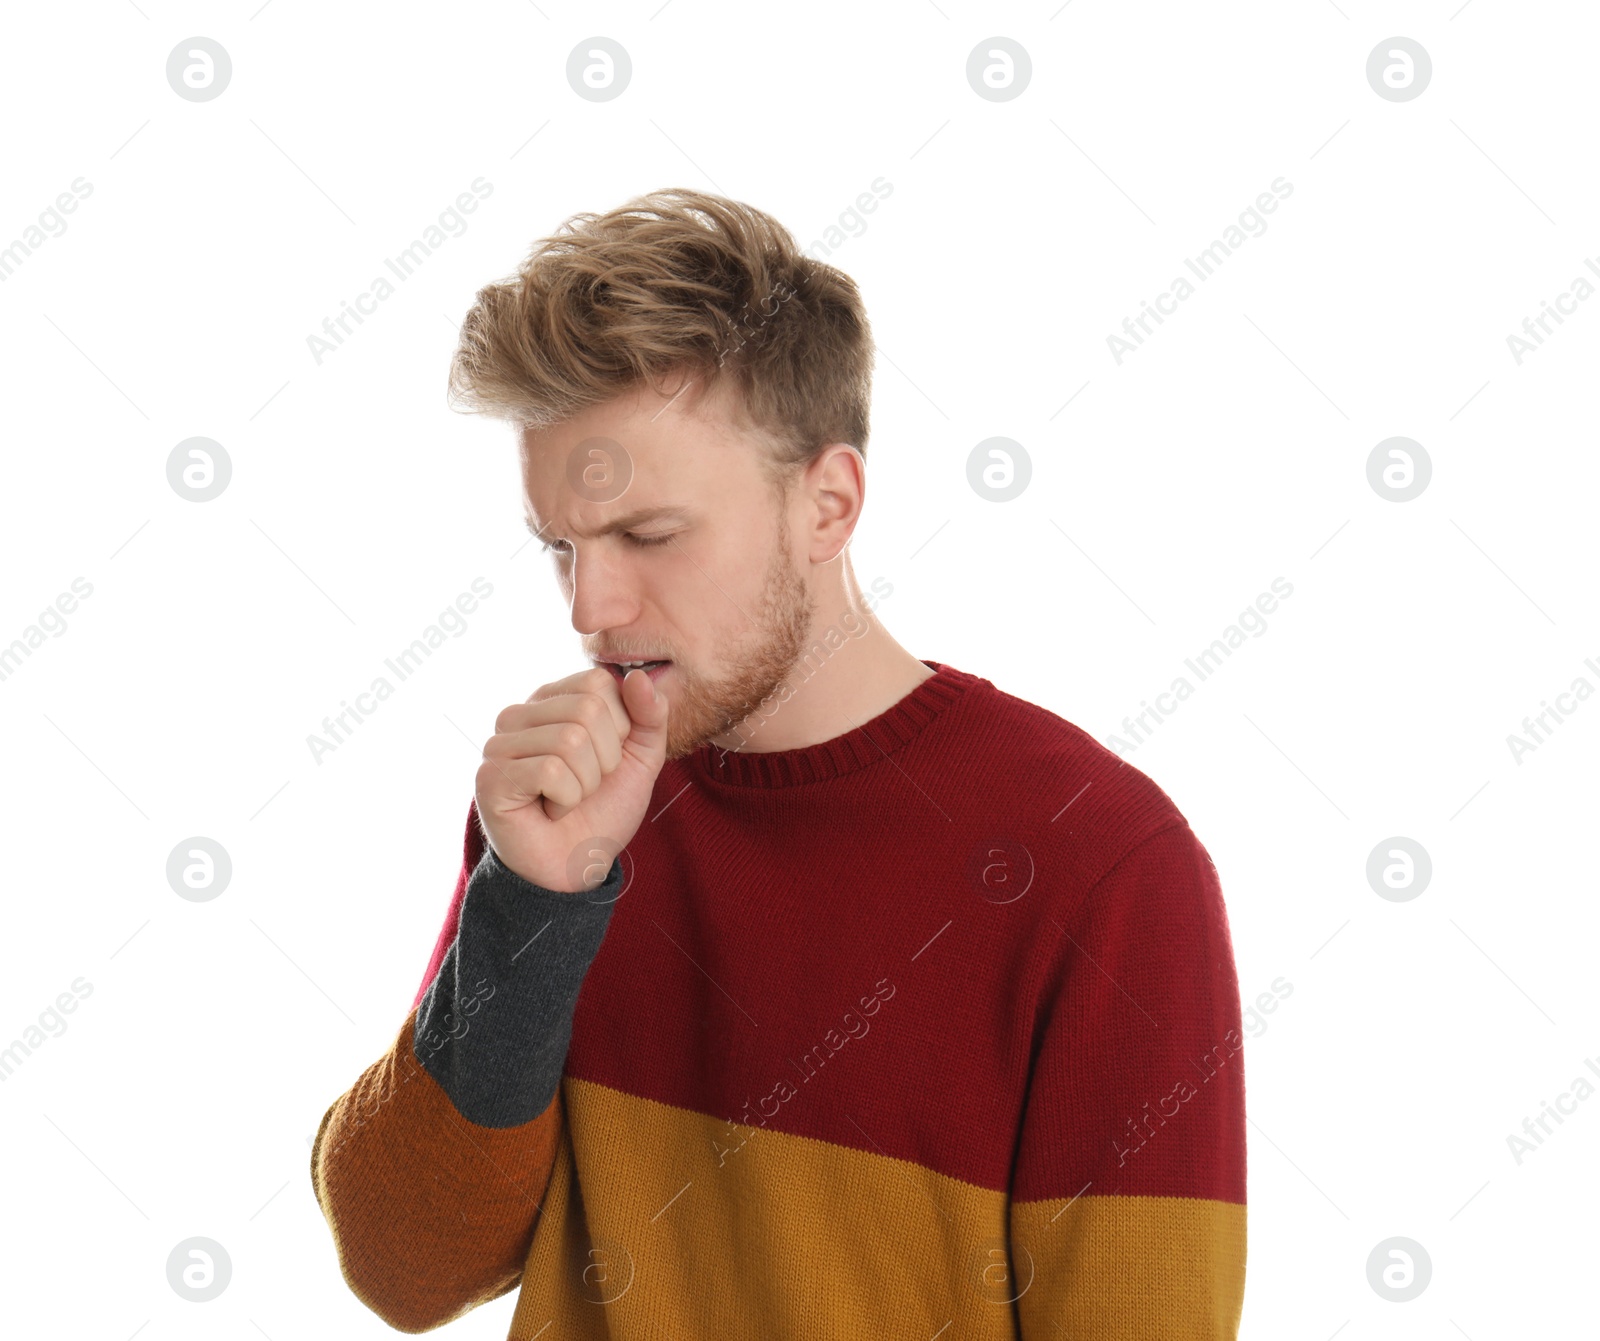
x: 835, y: 484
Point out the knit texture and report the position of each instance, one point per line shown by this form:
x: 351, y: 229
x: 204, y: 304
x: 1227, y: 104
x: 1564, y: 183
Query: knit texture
x: 931, y: 1028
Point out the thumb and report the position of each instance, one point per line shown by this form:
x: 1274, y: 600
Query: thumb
x: 647, y: 710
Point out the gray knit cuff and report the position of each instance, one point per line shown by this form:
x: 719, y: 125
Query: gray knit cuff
x: 494, y: 1025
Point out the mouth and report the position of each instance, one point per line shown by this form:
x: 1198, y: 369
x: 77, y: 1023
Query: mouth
x: 654, y: 669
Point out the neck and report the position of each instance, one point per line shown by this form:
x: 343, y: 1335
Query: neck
x: 850, y: 671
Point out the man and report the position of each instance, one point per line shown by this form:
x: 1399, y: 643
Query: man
x: 907, y: 1009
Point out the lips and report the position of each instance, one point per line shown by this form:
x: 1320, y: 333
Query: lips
x: 654, y: 670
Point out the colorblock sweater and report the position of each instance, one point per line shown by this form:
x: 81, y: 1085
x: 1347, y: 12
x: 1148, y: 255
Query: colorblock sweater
x: 930, y: 1029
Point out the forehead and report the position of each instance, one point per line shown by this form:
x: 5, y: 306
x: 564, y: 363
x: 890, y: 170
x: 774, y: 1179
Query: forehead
x: 636, y: 451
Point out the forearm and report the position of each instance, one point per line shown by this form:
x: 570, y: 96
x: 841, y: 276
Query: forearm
x: 430, y: 1169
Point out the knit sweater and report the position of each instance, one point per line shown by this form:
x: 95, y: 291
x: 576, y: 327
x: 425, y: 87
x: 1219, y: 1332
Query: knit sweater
x: 930, y: 1029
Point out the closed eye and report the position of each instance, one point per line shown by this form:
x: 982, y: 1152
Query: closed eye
x: 640, y: 541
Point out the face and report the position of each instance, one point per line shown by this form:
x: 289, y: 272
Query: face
x: 669, y: 542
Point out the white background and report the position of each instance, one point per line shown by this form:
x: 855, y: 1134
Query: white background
x: 1231, y: 449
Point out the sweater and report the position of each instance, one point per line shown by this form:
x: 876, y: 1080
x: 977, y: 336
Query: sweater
x: 930, y: 1029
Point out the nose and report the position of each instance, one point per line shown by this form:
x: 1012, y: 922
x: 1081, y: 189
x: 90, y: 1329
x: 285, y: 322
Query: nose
x: 602, y: 593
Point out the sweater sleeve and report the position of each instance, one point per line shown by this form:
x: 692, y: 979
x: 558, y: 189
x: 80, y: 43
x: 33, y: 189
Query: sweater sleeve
x: 1127, y: 1215
x: 430, y: 1169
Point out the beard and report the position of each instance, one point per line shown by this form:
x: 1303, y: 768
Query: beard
x: 705, y: 707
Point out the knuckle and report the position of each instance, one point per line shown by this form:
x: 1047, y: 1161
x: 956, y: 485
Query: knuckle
x: 573, y: 736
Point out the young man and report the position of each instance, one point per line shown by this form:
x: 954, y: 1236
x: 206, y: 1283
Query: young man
x: 907, y: 1009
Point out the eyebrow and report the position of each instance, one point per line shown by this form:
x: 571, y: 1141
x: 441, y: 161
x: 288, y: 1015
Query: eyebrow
x: 626, y: 522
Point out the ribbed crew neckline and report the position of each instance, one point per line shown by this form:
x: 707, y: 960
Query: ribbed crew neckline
x: 866, y: 744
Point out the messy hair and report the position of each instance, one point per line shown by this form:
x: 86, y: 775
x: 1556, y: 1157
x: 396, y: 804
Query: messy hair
x: 676, y: 283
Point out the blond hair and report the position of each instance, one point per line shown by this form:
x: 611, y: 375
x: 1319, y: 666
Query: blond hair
x: 676, y: 282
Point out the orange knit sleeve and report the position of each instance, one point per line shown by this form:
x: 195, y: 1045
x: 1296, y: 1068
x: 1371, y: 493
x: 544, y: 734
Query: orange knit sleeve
x: 431, y: 1214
